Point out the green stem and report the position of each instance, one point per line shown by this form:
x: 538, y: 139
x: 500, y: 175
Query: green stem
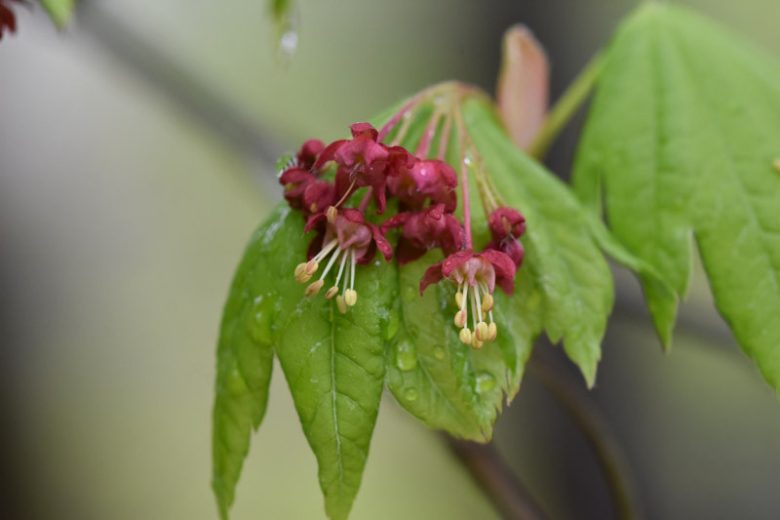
x: 566, y: 106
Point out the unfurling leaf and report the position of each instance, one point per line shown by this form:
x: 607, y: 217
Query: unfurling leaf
x: 679, y: 145
x: 523, y: 85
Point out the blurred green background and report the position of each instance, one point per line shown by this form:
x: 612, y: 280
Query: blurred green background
x: 122, y: 216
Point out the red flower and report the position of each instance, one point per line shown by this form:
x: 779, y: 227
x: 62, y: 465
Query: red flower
x: 308, y: 153
x: 476, y: 276
x: 507, y: 225
x: 295, y: 181
x: 424, y: 230
x: 7, y: 17
x: 302, y: 189
x: 362, y: 162
x: 429, y: 179
x: 343, y: 234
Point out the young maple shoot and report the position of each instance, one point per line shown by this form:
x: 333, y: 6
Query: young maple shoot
x: 426, y: 252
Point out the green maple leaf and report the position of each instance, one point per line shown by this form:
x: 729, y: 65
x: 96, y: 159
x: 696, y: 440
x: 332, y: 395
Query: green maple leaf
x: 678, y: 150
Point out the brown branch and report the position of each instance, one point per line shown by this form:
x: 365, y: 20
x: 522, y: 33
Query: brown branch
x: 597, y: 432
x: 489, y: 471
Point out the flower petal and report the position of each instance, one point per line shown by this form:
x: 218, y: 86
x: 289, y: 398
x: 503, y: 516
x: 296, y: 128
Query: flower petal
x: 432, y: 275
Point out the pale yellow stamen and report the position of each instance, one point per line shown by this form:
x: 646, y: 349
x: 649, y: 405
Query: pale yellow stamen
x: 492, y: 331
x: 483, y: 333
x: 341, y: 304
x: 314, y: 288
x: 460, y: 319
x: 331, y: 292
x: 300, y: 273
x: 459, y: 298
x: 350, y: 297
x: 465, y: 336
x: 487, y: 302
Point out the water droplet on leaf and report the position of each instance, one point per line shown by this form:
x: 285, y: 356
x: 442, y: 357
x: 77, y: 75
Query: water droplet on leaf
x: 439, y: 353
x: 410, y: 394
x: 259, y: 320
x: 485, y: 383
x: 405, y: 356
x: 234, y: 383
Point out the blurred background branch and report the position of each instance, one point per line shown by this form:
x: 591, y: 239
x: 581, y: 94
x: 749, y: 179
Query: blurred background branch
x: 180, y: 86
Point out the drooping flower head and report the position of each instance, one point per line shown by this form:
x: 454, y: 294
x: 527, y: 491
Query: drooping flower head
x: 334, y: 186
x: 476, y: 276
x: 344, y: 237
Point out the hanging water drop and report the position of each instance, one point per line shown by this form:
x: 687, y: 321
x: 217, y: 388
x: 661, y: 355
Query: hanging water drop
x: 439, y: 353
x: 410, y: 394
x: 288, y: 43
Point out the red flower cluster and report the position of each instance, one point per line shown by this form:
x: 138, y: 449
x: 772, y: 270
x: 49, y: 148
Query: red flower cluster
x: 7, y: 16
x: 321, y: 180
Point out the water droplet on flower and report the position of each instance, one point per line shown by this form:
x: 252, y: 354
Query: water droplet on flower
x: 410, y: 394
x: 259, y: 320
x: 485, y: 383
x: 405, y: 356
x: 377, y: 263
x: 439, y: 353
x: 467, y: 160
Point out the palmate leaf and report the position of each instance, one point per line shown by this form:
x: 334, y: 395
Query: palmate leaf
x: 680, y: 144
x: 336, y: 365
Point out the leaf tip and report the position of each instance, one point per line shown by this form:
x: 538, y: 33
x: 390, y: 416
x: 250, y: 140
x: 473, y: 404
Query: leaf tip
x: 60, y: 11
x: 662, y: 303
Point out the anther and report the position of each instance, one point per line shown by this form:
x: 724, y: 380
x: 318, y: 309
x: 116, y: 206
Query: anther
x: 492, y: 331
x: 487, y: 302
x: 301, y: 276
x: 341, y: 304
x: 459, y: 298
x: 482, y: 333
x: 476, y: 343
x: 460, y: 319
x: 331, y: 292
x: 465, y: 336
x: 314, y: 288
x: 311, y: 267
x: 350, y: 297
